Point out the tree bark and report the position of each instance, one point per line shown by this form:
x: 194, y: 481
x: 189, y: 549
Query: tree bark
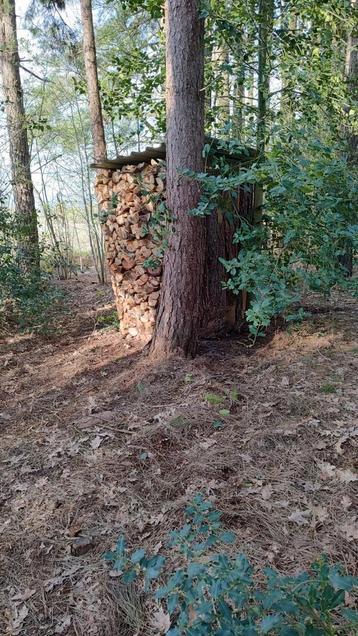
x: 183, y: 285
x: 351, y: 71
x: 22, y: 186
x: 94, y: 100
x: 352, y: 78
x: 265, y: 19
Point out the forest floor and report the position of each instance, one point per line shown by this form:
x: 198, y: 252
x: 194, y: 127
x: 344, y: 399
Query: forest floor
x: 96, y: 440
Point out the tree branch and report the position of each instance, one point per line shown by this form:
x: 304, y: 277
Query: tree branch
x: 42, y: 79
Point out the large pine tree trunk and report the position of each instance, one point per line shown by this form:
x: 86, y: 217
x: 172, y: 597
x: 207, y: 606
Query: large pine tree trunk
x: 22, y: 187
x: 183, y: 285
x: 94, y: 100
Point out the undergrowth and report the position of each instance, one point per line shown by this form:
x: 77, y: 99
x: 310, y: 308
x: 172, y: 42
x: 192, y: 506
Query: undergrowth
x: 305, y: 236
x: 29, y: 301
x: 108, y: 320
x: 207, y: 591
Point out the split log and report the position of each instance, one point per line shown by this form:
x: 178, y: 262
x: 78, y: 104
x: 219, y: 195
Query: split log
x: 129, y: 242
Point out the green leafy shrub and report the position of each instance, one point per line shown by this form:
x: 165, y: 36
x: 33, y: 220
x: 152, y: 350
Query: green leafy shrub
x: 27, y: 299
x: 308, y: 225
x: 208, y: 592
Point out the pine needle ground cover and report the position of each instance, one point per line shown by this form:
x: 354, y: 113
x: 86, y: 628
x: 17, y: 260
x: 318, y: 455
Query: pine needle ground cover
x: 98, y: 441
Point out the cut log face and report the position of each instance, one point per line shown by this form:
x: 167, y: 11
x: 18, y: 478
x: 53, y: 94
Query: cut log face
x: 130, y: 196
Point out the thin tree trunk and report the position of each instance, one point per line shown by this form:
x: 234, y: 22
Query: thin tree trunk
x: 98, y: 256
x: 46, y: 207
x: 265, y: 18
x: 352, y: 78
x: 183, y: 285
x: 351, y: 70
x: 289, y: 22
x: 221, y: 93
x: 94, y: 100
x: 22, y: 187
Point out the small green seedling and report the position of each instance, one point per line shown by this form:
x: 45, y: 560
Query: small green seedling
x: 328, y: 388
x: 234, y: 394
x: 213, y: 398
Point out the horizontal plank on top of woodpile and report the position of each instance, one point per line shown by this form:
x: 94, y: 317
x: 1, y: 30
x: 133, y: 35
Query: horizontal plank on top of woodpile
x: 244, y: 154
x: 132, y: 159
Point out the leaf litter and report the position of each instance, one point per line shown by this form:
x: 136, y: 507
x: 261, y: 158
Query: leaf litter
x: 281, y: 468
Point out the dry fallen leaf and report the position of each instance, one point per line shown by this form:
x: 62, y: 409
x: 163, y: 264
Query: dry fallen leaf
x: 54, y: 582
x: 349, y: 529
x: 300, y: 517
x: 321, y: 444
x: 266, y: 492
x: 346, y: 476
x: 205, y: 444
x: 92, y: 404
x: 58, y: 580
x: 62, y: 626
x: 106, y: 416
x: 319, y: 514
x: 346, y: 502
x: 18, y: 617
x: 96, y: 442
x: 350, y: 433
x: 161, y: 621
x: 23, y: 596
x: 327, y: 470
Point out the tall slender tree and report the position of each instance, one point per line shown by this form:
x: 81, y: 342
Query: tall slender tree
x: 351, y: 71
x: 352, y: 78
x: 22, y: 186
x: 94, y: 100
x: 183, y: 285
x: 265, y: 24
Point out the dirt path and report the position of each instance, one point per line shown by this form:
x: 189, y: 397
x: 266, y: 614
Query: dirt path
x: 95, y: 440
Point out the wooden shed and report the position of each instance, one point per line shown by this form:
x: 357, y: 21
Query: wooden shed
x: 131, y: 195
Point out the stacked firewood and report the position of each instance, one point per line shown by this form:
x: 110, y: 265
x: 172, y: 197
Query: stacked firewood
x: 127, y: 198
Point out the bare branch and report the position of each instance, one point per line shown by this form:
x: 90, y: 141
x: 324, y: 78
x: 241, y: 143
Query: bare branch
x: 42, y: 79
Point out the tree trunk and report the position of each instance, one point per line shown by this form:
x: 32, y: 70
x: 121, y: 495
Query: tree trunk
x: 265, y: 19
x: 94, y: 100
x: 22, y: 187
x: 183, y: 285
x: 352, y: 78
x: 346, y: 259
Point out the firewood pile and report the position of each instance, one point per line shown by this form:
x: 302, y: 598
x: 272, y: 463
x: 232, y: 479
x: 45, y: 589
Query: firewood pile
x: 127, y: 198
